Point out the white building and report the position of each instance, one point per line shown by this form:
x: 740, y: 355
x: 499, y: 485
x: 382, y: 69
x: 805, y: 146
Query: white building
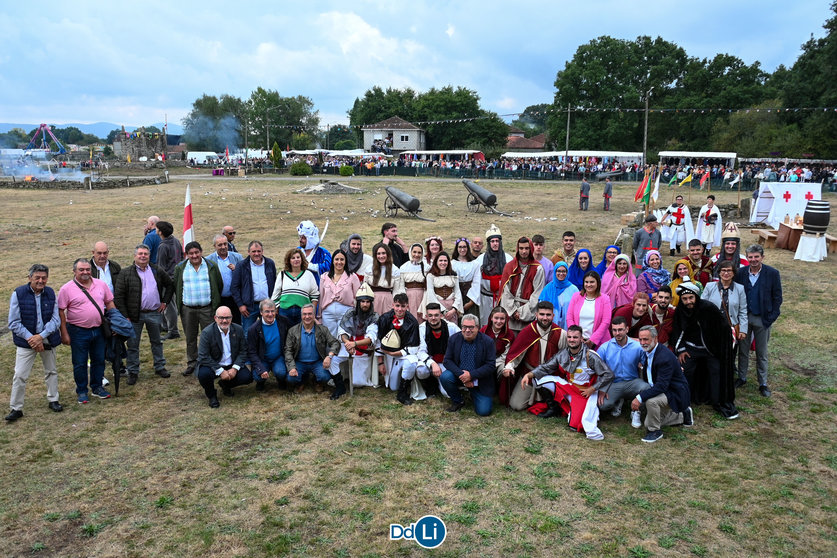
x: 395, y: 133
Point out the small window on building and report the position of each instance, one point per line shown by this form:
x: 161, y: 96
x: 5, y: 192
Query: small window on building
x: 405, y: 138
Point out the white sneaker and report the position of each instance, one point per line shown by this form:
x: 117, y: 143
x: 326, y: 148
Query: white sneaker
x: 636, y: 419
x: 617, y: 409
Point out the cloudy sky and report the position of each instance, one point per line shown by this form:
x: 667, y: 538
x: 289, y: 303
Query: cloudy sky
x: 87, y: 62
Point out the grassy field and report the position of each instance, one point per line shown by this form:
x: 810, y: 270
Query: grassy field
x: 156, y: 472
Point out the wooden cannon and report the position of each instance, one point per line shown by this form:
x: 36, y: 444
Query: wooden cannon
x: 480, y: 197
x: 396, y: 199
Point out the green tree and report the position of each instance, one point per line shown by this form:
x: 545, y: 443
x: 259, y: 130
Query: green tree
x: 345, y: 145
x: 340, y: 135
x: 15, y: 138
x: 283, y: 115
x: 377, y: 105
x: 302, y: 140
x: 812, y: 82
x: 276, y: 155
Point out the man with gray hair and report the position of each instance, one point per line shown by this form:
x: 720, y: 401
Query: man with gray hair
x: 309, y: 350
x: 142, y: 293
x: 763, y: 286
x: 34, y: 323
x: 470, y: 362
x: 226, y: 260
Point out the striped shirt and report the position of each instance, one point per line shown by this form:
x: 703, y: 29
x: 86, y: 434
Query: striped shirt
x: 296, y: 291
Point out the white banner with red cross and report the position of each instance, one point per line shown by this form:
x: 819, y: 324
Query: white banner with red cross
x: 778, y: 199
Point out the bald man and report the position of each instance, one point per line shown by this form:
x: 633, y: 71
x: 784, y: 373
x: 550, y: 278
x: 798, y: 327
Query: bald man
x: 152, y: 239
x: 102, y: 267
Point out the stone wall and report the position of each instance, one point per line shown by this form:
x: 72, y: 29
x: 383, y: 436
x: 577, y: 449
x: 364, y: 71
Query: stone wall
x: 143, y: 144
x: 104, y: 184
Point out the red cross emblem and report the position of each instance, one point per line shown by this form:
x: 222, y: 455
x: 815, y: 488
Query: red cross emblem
x: 678, y: 215
x: 787, y: 196
x: 809, y: 196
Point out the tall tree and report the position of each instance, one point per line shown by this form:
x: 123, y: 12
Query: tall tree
x: 533, y: 119
x: 214, y: 123
x: 284, y: 116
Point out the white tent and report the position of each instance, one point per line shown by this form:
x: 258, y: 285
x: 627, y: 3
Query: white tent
x: 777, y: 199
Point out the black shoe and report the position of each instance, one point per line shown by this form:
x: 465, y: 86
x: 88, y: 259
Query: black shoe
x: 213, y: 402
x: 739, y: 383
x: 55, y: 406
x: 455, y: 406
x: 339, y: 387
x: 765, y: 391
x: 671, y: 252
x: 14, y: 415
x: 163, y: 373
x: 259, y: 386
x: 688, y: 418
x: 553, y: 409
x: 403, y: 396
x: 189, y: 371
x: 171, y: 336
x: 132, y: 379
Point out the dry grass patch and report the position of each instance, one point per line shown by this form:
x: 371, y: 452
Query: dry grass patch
x: 155, y: 472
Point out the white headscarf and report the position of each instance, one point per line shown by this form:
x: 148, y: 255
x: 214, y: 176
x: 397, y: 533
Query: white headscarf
x: 311, y: 233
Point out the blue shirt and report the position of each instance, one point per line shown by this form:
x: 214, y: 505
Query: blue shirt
x: 152, y: 240
x: 308, y: 345
x: 259, y: 281
x: 623, y: 361
x: 272, y: 341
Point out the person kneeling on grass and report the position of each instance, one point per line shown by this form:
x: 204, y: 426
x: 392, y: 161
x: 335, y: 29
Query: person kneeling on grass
x: 470, y: 361
x: 570, y: 381
x: 222, y: 355
x: 666, y: 402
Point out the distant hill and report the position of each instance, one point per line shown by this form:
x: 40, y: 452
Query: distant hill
x: 100, y: 129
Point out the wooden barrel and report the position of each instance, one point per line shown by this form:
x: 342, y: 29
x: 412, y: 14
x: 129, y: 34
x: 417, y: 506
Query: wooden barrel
x: 816, y: 217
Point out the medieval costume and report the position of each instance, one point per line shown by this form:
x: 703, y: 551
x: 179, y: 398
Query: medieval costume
x: 619, y: 288
x: 522, y: 285
x: 532, y: 347
x: 559, y: 293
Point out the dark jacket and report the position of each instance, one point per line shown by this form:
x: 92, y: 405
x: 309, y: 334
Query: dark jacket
x: 169, y: 254
x: 211, y: 348
x: 241, y: 288
x: 668, y: 378
x: 215, y: 284
x: 409, y: 332
x: 485, y: 370
x: 29, y: 315
x: 115, y: 268
x: 127, y: 290
x: 770, y: 285
x: 322, y: 339
x: 256, y: 347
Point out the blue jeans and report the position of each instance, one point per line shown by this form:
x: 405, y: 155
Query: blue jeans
x: 483, y: 404
x: 305, y: 368
x: 153, y: 321
x: 292, y: 314
x: 248, y: 321
x: 276, y: 366
x: 87, y: 343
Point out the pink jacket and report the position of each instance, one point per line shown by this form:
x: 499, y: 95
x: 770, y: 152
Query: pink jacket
x: 601, y: 322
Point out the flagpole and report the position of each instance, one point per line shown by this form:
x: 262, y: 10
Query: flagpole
x: 690, y: 192
x: 709, y: 183
x: 739, y: 190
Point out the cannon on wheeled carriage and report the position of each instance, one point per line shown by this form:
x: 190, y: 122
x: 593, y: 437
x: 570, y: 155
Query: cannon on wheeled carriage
x: 396, y: 199
x: 480, y: 197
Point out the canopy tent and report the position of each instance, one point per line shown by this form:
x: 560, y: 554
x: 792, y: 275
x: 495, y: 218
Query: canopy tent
x: 778, y: 199
x: 699, y: 157
x: 575, y: 154
x: 786, y: 160
x: 444, y: 154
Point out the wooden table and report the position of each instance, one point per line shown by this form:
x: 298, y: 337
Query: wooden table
x: 788, y: 236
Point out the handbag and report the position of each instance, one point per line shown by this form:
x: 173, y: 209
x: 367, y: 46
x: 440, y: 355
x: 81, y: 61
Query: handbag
x: 106, y: 330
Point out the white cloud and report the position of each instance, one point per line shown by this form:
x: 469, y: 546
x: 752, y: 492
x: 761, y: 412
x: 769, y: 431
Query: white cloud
x: 450, y: 30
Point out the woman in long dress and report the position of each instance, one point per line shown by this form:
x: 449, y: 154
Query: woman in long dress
x: 466, y: 267
x: 591, y: 309
x: 337, y: 292
x: 559, y: 291
x: 385, y: 279
x: 443, y: 287
x: 413, y: 276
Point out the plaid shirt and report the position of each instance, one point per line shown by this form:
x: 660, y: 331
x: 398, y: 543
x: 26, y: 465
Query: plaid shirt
x: 196, y: 291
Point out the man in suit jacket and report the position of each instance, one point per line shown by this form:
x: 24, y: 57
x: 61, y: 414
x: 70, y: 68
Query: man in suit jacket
x: 252, y: 281
x: 222, y: 355
x: 763, y: 286
x: 667, y: 400
x: 470, y: 361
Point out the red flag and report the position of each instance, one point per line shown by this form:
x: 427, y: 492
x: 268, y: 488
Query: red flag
x: 703, y: 178
x: 640, y: 192
x: 188, y: 233
x: 227, y: 153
